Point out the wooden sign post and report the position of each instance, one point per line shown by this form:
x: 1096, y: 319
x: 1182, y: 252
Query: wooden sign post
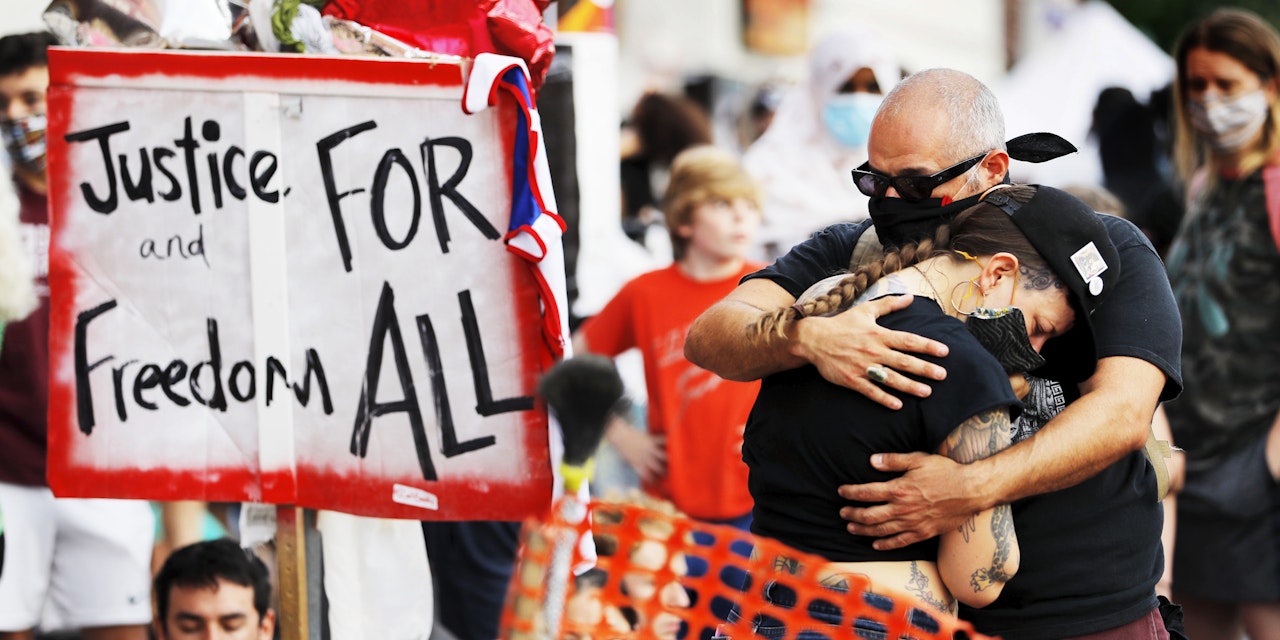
x: 291, y: 567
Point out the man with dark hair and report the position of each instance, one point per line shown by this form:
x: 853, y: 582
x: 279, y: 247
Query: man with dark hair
x: 24, y: 78
x: 213, y: 589
x: 84, y: 564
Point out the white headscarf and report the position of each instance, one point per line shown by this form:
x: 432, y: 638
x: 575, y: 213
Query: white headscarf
x: 802, y: 169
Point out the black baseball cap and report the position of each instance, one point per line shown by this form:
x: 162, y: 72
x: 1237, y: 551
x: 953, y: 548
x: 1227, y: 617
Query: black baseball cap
x: 1073, y: 240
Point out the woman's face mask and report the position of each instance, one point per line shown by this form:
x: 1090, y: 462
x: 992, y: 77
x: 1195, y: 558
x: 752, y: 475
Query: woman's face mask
x: 24, y: 140
x: 848, y: 116
x: 1228, y: 123
x: 1002, y: 331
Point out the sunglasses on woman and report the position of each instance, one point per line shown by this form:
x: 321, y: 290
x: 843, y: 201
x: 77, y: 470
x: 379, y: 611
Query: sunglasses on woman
x: 911, y: 188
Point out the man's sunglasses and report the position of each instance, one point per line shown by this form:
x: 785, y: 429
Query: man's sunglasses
x: 911, y: 188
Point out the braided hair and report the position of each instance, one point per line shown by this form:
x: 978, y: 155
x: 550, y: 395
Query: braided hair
x: 982, y: 229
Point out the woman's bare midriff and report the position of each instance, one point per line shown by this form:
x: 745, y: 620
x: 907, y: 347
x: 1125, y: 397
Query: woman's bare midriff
x: 918, y: 578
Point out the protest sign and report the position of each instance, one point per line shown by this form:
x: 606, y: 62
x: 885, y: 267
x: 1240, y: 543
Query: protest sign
x: 295, y: 280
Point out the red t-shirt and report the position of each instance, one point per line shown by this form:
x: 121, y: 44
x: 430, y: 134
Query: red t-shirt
x: 24, y: 363
x: 701, y: 414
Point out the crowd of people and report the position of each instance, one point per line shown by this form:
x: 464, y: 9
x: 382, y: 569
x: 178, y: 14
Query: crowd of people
x: 869, y: 345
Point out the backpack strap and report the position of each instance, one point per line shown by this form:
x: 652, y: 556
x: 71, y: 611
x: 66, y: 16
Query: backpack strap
x: 868, y: 248
x: 1157, y: 451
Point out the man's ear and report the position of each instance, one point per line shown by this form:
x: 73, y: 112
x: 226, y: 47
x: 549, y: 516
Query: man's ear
x: 996, y: 166
x: 268, y: 626
x: 158, y: 627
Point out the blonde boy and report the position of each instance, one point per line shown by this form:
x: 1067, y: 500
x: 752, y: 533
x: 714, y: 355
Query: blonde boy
x: 691, y: 452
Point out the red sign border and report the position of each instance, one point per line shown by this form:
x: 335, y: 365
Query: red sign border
x: 315, y: 488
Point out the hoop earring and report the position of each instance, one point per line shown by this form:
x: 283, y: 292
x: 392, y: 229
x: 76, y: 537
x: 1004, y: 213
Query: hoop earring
x: 973, y: 284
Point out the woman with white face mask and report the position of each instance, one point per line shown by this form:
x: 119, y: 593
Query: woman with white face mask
x: 1224, y: 265
x: 818, y: 135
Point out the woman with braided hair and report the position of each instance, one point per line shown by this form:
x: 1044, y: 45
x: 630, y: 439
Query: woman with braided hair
x: 1022, y: 266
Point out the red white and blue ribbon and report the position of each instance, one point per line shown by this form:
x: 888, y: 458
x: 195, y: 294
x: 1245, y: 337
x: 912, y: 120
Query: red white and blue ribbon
x: 535, y: 230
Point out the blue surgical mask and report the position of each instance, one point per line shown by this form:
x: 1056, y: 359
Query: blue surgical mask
x: 848, y: 117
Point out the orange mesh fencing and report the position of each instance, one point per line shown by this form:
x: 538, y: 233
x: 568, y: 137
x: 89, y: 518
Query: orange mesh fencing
x: 656, y: 571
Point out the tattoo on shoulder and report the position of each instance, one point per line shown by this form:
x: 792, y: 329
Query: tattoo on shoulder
x: 920, y: 588
x: 1003, y: 532
x: 979, y: 437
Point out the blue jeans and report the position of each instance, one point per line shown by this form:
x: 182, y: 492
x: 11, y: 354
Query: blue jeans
x: 731, y: 576
x: 698, y: 566
x: 829, y: 615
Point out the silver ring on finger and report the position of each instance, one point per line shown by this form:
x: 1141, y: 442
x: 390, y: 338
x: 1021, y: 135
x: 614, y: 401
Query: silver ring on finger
x: 877, y: 373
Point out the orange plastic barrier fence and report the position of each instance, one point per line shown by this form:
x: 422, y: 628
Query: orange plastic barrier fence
x: 656, y: 573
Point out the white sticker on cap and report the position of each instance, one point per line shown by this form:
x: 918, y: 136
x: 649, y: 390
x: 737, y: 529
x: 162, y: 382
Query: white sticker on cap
x: 1090, y: 264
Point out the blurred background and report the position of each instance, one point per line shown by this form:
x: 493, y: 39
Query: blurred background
x: 1047, y: 60
x: 633, y: 82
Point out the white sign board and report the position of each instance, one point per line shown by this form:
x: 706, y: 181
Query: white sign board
x: 288, y: 279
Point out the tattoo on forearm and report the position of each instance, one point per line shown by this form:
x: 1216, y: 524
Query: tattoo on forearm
x: 1002, y: 532
x: 919, y: 587
x: 979, y: 437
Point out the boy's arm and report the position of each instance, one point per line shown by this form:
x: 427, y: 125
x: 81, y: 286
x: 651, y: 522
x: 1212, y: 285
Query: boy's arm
x: 842, y: 346
x: 642, y: 451
x: 1109, y: 421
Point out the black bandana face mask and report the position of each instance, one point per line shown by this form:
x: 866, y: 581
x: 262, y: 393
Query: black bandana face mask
x: 898, y: 221
x: 1003, y: 332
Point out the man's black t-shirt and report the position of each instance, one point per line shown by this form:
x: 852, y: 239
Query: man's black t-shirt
x: 805, y: 436
x: 1091, y: 554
